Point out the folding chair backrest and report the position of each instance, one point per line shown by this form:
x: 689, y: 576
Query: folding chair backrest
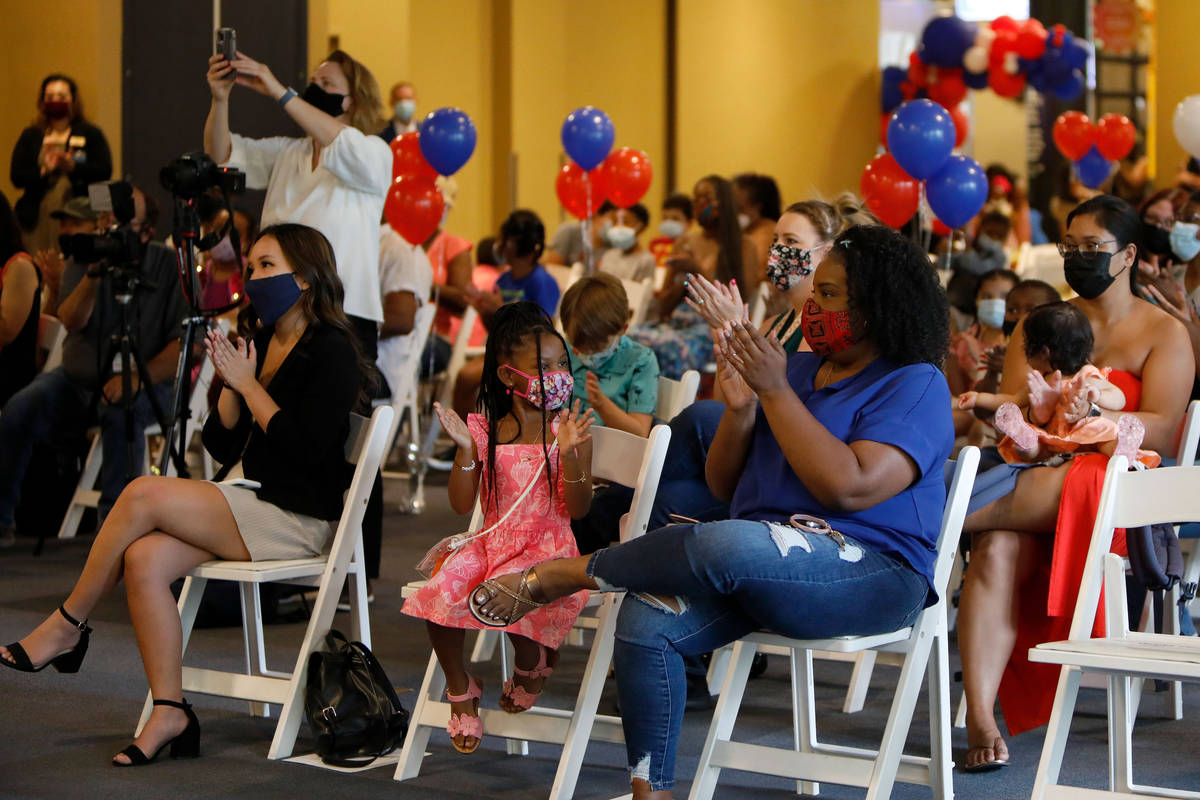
x: 952, y: 518
x: 365, y: 446
x: 458, y: 354
x: 639, y: 294
x: 1191, y: 436
x: 624, y: 458
x: 1128, y: 500
x: 758, y: 304
x: 676, y: 395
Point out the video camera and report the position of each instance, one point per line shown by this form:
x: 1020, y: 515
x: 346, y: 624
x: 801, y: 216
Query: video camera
x: 192, y: 174
x: 120, y: 246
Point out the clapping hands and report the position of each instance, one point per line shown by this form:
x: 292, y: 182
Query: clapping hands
x: 236, y: 365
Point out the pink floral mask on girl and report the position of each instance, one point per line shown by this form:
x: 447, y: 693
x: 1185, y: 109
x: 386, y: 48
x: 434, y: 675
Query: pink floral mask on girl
x: 550, y: 391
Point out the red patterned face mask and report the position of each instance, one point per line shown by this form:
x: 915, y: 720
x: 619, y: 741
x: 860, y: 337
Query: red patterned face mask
x: 826, y: 331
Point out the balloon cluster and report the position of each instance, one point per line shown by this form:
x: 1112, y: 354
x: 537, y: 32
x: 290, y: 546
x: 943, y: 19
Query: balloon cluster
x: 443, y: 143
x: 1093, y: 147
x: 955, y: 55
x: 1186, y: 124
x: 921, y: 138
x: 596, y: 171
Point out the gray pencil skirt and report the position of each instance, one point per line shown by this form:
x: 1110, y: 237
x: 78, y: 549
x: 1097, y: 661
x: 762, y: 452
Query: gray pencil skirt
x: 269, y: 532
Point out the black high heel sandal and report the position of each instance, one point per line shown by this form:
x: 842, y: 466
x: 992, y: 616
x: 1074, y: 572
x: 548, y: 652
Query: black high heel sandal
x: 185, y: 745
x: 67, y: 661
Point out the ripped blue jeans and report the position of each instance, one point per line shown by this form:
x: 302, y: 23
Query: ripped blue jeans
x: 730, y: 578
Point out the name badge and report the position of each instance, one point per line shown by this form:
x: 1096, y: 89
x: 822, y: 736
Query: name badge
x: 77, y: 142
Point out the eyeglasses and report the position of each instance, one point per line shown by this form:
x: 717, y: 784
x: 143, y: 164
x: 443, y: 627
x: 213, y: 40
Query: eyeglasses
x: 1087, y: 248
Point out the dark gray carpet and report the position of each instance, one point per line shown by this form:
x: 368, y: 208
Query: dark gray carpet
x: 59, y: 731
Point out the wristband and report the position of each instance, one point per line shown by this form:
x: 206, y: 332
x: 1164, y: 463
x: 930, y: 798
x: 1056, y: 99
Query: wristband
x: 286, y: 97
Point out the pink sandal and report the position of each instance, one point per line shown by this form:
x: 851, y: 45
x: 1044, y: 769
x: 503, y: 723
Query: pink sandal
x: 524, y: 700
x: 1009, y: 421
x: 466, y: 724
x: 1130, y: 433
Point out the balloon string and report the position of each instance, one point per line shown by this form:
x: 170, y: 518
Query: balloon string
x: 586, y: 224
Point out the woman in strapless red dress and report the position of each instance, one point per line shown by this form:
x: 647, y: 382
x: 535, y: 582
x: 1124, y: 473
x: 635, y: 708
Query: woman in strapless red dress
x: 1027, y: 546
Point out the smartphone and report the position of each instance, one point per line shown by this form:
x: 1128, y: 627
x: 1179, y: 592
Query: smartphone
x: 227, y: 45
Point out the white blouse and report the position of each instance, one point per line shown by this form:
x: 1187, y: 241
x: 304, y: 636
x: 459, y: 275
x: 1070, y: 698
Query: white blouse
x: 343, y: 199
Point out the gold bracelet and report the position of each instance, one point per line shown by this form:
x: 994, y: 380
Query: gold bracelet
x: 581, y: 479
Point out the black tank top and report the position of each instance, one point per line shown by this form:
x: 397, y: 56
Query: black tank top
x: 18, y: 359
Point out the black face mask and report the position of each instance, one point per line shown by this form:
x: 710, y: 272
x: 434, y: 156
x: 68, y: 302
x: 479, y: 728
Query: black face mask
x: 328, y: 102
x: 1156, y: 240
x: 1088, y: 275
x: 1009, y: 327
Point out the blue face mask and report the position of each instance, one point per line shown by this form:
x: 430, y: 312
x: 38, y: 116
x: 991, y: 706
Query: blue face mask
x: 595, y: 361
x: 1184, y: 243
x: 991, y: 312
x: 272, y: 297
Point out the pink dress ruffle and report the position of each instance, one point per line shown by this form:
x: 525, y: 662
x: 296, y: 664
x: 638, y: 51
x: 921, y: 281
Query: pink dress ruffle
x: 539, y: 530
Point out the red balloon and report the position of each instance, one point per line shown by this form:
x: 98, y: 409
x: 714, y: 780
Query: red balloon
x: 1115, y: 136
x: 918, y: 71
x: 962, y: 125
x: 407, y: 158
x: 1031, y: 40
x: 414, y: 207
x: 940, y: 228
x: 1074, y: 134
x: 948, y: 90
x: 890, y: 192
x: 1005, y: 23
x: 884, y: 119
x: 1004, y: 84
x: 580, y: 192
x: 627, y: 175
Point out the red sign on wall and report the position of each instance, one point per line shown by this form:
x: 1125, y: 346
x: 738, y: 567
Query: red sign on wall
x: 1117, y: 24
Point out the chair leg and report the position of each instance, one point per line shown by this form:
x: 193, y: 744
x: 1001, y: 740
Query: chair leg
x: 718, y: 665
x: 883, y: 775
x: 941, y: 762
x: 485, y: 646
x: 1057, y: 731
x: 411, y: 755
x: 733, y: 687
x: 360, y: 611
x: 252, y: 641
x: 189, y: 604
x: 1172, y: 626
x: 860, y: 682
x: 960, y: 714
x: 87, y: 482
x: 584, y: 717
x: 1120, y: 739
x: 804, y: 712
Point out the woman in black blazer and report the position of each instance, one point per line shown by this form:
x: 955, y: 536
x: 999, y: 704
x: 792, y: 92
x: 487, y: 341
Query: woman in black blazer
x: 289, y: 386
x: 55, y: 159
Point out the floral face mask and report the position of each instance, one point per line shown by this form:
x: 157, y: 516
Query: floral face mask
x: 550, y: 391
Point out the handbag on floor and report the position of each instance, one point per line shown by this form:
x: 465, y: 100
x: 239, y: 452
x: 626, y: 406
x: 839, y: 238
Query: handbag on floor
x: 351, y: 705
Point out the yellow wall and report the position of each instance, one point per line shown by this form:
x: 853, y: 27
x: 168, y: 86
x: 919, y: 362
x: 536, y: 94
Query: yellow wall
x: 779, y: 86
x: 1176, y: 79
x: 998, y: 132
x: 85, y: 45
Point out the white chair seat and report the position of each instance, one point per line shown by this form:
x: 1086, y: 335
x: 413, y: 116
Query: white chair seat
x: 1137, y: 654
x: 840, y: 644
x: 261, y: 571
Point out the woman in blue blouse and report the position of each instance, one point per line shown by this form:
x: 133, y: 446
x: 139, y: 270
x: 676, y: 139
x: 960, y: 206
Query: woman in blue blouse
x: 854, y: 433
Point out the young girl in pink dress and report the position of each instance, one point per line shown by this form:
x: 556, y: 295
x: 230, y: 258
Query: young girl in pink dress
x: 1068, y: 405
x: 528, y: 437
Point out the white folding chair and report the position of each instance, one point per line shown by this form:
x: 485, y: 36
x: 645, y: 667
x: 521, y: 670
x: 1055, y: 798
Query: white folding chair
x: 1044, y: 263
x: 616, y: 456
x: 676, y: 395
x: 459, y: 354
x: 87, y: 496
x: 258, y: 684
x: 51, y: 335
x: 925, y: 650
x: 758, y: 304
x: 1129, y: 499
x: 405, y: 386
x: 639, y: 294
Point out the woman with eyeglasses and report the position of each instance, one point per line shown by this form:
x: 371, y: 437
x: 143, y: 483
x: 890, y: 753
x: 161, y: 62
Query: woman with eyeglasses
x: 1031, y: 524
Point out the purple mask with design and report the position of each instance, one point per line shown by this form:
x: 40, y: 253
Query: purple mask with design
x: 550, y: 391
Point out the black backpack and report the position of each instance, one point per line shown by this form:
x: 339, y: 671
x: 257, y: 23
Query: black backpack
x: 351, y: 705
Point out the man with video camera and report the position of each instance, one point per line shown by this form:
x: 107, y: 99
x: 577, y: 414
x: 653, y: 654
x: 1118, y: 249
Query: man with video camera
x: 56, y: 405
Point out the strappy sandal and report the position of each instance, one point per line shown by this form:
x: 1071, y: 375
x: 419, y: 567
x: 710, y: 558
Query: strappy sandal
x: 68, y: 661
x: 518, y: 696
x: 466, y: 724
x: 522, y: 598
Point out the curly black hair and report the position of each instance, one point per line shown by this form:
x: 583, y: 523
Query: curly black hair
x: 1060, y: 332
x: 895, y: 295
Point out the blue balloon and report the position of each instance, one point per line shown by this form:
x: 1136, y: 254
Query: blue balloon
x: 1055, y: 68
x: 975, y: 80
x: 1071, y: 88
x: 1075, y: 52
x: 587, y: 136
x: 447, y: 139
x: 920, y: 136
x: 946, y: 40
x: 1093, y: 169
x: 891, y: 96
x: 958, y: 191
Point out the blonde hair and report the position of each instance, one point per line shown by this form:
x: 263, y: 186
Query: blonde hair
x: 594, y: 310
x: 364, y: 93
x: 836, y: 217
